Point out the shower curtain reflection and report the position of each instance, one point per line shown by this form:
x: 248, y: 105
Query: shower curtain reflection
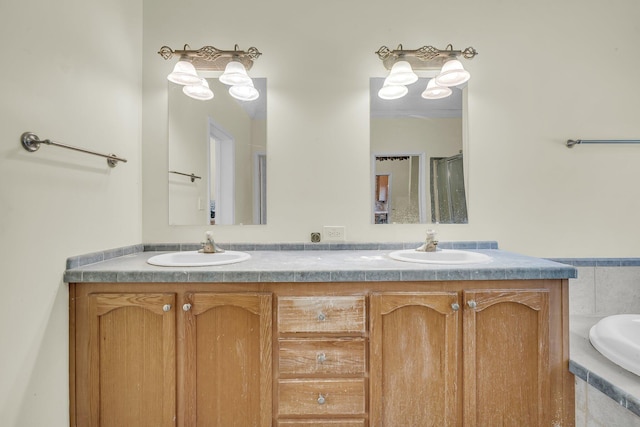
x: 448, y: 198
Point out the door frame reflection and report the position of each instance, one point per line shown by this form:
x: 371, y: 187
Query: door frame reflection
x: 422, y: 188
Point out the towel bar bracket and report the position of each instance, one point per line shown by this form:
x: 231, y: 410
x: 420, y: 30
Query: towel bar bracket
x: 572, y: 142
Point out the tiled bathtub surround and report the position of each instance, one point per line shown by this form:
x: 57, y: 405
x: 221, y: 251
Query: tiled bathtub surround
x: 603, y: 287
x: 606, y: 394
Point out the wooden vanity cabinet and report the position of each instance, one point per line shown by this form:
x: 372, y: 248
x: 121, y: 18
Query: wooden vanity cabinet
x: 472, y: 358
x: 159, y: 355
x: 357, y: 354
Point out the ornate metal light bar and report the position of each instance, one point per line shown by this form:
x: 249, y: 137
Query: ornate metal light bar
x: 209, y: 58
x: 424, y: 58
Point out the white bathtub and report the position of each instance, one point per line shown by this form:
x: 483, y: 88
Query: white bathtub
x: 618, y: 339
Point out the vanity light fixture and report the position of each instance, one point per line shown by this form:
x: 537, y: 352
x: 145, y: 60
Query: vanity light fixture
x: 184, y: 73
x: 235, y: 74
x: 244, y: 92
x: 435, y: 91
x: 391, y: 91
x: 401, y: 74
x: 452, y: 73
x: 235, y: 64
x: 199, y: 91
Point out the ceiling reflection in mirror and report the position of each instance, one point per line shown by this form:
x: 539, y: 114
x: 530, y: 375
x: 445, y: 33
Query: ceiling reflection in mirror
x: 417, y: 157
x: 217, y: 157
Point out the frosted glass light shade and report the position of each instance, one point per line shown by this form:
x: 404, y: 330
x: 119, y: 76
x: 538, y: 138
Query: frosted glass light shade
x: 199, y: 91
x: 235, y: 74
x: 390, y: 91
x: 452, y: 74
x: 402, y: 74
x: 184, y: 73
x: 434, y: 91
x: 244, y: 92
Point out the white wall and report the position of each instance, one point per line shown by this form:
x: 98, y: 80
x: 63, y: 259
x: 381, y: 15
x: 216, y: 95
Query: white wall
x: 71, y: 72
x: 546, y: 71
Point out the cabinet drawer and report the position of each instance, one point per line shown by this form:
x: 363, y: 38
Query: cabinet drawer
x: 321, y: 397
x: 322, y: 423
x: 322, y: 357
x: 322, y: 314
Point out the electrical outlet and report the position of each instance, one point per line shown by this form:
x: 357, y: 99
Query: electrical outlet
x: 334, y: 233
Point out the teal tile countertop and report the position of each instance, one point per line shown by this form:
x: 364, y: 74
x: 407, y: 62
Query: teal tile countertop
x: 315, y: 263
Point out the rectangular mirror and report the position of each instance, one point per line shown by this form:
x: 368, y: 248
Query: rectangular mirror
x: 217, y: 168
x: 417, y: 160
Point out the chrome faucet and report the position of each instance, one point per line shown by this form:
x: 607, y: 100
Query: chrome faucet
x: 430, y: 244
x: 209, y: 246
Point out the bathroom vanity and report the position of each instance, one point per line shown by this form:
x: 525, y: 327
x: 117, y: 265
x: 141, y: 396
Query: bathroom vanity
x: 340, y: 338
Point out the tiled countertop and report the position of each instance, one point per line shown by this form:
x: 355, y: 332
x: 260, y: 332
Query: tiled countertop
x: 318, y: 264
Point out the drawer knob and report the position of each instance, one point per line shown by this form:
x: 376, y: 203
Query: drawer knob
x: 322, y: 317
x: 455, y: 306
x: 472, y: 304
x: 321, y: 357
x: 321, y: 399
x: 186, y: 307
x: 166, y: 307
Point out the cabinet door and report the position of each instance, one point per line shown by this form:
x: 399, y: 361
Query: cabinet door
x: 227, y: 371
x: 126, y: 374
x: 506, y: 358
x: 414, y: 359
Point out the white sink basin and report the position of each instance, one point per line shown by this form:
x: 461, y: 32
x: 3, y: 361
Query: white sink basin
x: 197, y: 259
x: 441, y: 256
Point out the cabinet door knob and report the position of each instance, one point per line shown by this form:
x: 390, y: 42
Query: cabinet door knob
x: 455, y: 306
x: 322, y: 317
x: 321, y: 399
x: 186, y: 307
x: 472, y: 304
x: 166, y: 307
x: 321, y: 357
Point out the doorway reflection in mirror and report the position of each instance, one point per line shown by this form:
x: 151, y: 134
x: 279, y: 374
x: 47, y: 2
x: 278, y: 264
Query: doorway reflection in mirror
x: 224, y: 140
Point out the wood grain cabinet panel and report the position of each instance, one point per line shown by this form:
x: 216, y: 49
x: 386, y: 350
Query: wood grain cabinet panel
x: 414, y: 359
x: 506, y: 358
x: 227, y: 376
x: 322, y: 397
x: 322, y: 423
x: 126, y: 373
x: 310, y: 357
x: 339, y: 314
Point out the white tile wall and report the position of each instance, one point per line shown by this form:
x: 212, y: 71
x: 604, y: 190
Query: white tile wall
x: 604, y: 291
x: 582, y: 292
